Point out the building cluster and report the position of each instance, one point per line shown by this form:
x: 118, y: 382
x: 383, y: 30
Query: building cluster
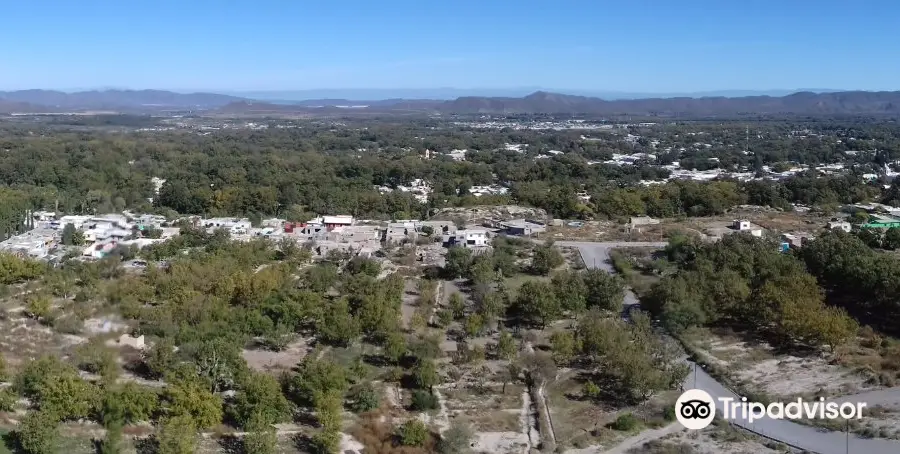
x: 419, y: 188
x: 100, y: 234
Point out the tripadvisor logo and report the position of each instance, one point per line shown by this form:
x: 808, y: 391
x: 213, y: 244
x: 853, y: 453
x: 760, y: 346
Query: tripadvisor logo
x: 695, y: 409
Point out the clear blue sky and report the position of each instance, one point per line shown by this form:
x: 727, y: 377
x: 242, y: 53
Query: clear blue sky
x: 624, y: 45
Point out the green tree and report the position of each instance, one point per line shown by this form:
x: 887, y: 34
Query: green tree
x: 261, y: 437
x: 891, y: 239
x: 129, y: 402
x: 425, y: 374
x: 506, y: 346
x: 38, y: 305
x: 191, y: 400
x: 537, y: 303
x: 457, y: 262
x: 474, y: 325
x: 67, y: 396
x: 604, y: 290
x: 177, y: 435
x: 546, y: 258
x: 571, y: 290
x: 564, y: 346
x: 38, y: 433
x: 337, y: 325
x: 161, y: 358
x: 363, y: 398
x: 260, y: 397
x: 72, y: 236
x: 413, y: 433
x: 317, y: 377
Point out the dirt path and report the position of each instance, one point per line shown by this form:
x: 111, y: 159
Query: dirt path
x: 643, y: 437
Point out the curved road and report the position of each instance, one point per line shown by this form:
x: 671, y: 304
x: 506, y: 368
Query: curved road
x: 821, y: 441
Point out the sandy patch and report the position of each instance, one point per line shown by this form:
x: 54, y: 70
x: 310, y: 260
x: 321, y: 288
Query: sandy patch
x: 265, y: 360
x: 500, y: 442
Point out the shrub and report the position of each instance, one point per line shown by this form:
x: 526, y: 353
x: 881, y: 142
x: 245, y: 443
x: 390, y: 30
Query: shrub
x: 423, y: 400
x: 413, y: 433
x: 364, y: 398
x: 626, y: 422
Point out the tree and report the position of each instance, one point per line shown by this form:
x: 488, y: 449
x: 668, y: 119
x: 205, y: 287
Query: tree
x: 457, y: 439
x: 604, y: 290
x: 395, y: 347
x: 363, y: 398
x: 260, y: 398
x: 457, y: 305
x: 129, y: 402
x: 474, y: 325
x: 66, y: 396
x: 72, y: 236
x: 188, y: 399
x: 261, y: 437
x: 337, y: 325
x: 891, y: 239
x: 38, y: 305
x: 457, y: 262
x: 546, y: 258
x: 571, y: 290
x: 161, y: 357
x: 220, y: 363
x: 563, y: 346
x: 37, y: 433
x: 537, y: 303
x: 413, y: 433
x: 506, y: 346
x: 317, y: 377
x: 425, y: 374
x: 177, y: 435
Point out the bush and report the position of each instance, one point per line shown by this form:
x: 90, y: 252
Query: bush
x: 626, y: 423
x: 363, y: 399
x: 423, y: 401
x: 669, y: 413
x: 413, y: 433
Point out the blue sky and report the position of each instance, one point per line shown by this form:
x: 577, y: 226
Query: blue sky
x: 633, y: 45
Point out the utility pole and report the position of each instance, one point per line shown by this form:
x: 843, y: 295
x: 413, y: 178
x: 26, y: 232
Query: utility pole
x: 695, y: 375
x: 848, y: 436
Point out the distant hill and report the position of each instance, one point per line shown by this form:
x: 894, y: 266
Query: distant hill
x: 850, y: 102
x: 541, y: 102
x: 116, y: 99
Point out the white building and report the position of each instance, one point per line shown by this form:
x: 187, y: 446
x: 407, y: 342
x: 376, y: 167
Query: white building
x: 472, y: 238
x: 741, y: 225
x: 234, y: 225
x: 841, y: 225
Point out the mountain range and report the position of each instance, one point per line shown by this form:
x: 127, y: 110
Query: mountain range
x: 540, y: 102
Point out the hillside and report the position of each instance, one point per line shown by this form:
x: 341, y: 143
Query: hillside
x: 115, y: 99
x: 854, y: 102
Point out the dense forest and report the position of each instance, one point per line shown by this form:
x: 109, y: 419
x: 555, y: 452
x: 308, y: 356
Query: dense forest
x: 334, y: 167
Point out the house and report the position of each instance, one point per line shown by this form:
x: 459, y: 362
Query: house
x: 337, y: 221
x: 99, y: 250
x: 354, y: 234
x: 522, y: 227
x: 438, y: 227
x: 840, y: 225
x: 398, y: 232
x: 643, y: 220
x: 233, y: 224
x: 471, y: 238
x: 77, y: 221
x: 796, y: 239
x: 741, y: 225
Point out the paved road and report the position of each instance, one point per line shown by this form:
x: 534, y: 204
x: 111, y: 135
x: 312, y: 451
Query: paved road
x: 596, y: 255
